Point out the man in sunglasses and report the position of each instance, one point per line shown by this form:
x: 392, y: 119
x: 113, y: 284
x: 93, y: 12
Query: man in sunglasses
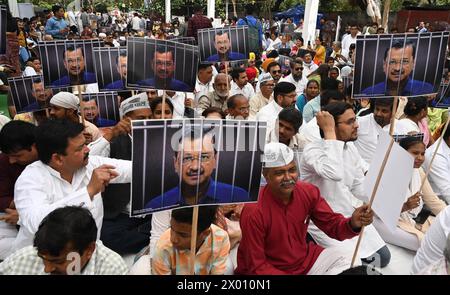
x: 296, y: 76
x: 195, y: 161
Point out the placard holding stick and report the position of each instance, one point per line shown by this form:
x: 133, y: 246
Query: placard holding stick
x: 80, y: 96
x: 194, y: 239
x: 3, y: 29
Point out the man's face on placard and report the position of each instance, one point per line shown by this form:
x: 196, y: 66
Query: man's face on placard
x: 196, y: 160
x: 222, y: 43
x: 74, y: 62
x: 40, y: 93
x: 122, y: 67
x: 90, y: 110
x: 163, y: 65
x: 399, y: 64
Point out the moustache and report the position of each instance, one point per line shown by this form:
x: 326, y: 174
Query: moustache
x: 287, y: 183
x: 195, y: 172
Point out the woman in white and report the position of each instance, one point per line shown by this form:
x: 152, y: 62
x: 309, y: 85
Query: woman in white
x: 408, y: 233
x: 415, y: 120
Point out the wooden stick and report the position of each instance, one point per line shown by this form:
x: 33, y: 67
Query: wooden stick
x: 80, y: 96
x: 194, y: 239
x: 163, y: 107
x: 380, y: 174
x: 228, y: 83
x: 434, y: 154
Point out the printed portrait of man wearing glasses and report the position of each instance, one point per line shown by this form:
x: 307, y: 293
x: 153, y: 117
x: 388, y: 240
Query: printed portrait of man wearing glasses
x: 194, y: 161
x: 398, y: 65
x: 163, y: 68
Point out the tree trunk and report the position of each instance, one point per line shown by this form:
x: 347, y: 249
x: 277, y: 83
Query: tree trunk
x: 234, y: 8
x: 386, y: 9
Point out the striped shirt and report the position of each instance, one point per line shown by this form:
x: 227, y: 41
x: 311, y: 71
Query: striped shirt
x: 26, y: 261
x: 210, y: 259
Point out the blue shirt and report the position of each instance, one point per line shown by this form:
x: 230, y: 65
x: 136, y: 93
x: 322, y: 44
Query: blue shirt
x: 174, y: 84
x: 224, y: 193
x: 251, y: 21
x: 412, y: 87
x: 231, y: 56
x: 88, y: 78
x: 311, y: 109
x: 116, y: 85
x: 100, y: 122
x: 301, y: 102
x: 55, y: 25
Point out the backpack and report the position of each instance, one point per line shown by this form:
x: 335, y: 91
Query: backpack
x: 253, y: 36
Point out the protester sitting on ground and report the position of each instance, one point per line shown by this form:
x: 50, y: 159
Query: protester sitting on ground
x: 214, y: 113
x: 274, y: 229
x: 18, y: 149
x: 65, y: 244
x: 263, y: 95
x: 172, y: 252
x: 238, y: 108
x: 335, y: 166
x: 313, y: 106
x: 156, y: 107
x: 65, y: 105
x: 65, y: 175
x: 410, y: 230
x: 311, y: 91
x: 218, y: 97
x: 286, y: 128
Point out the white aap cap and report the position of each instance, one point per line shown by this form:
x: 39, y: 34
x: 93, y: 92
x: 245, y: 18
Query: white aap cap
x: 277, y: 155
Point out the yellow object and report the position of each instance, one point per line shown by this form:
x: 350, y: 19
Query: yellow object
x: 251, y: 55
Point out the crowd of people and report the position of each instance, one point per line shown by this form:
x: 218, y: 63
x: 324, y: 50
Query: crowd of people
x: 65, y: 172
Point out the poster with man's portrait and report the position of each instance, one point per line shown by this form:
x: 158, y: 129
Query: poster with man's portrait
x: 161, y: 64
x: 110, y: 67
x: 399, y: 65
x: 29, y: 93
x: 101, y: 109
x: 180, y: 163
x: 68, y: 62
x: 223, y: 44
x: 285, y: 63
x: 2, y: 29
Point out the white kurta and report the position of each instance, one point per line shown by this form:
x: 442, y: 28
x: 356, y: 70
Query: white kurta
x: 337, y: 170
x: 269, y: 113
x: 368, y: 134
x: 40, y: 189
x: 300, y: 85
x: 246, y: 91
x: 434, y: 243
x: 406, y: 126
x: 439, y: 176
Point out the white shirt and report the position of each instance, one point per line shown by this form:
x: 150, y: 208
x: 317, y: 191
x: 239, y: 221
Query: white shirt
x: 433, y: 245
x: 40, y: 189
x: 3, y: 121
x: 29, y: 71
x: 337, y: 170
x: 439, y: 176
x: 135, y: 23
x: 310, y: 132
x: 269, y: 113
x: 203, y: 89
x: 346, y: 42
x: 406, y: 126
x: 272, y: 136
x: 368, y: 134
x: 300, y: 85
x: 160, y: 223
x: 309, y: 68
x: 247, y: 91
